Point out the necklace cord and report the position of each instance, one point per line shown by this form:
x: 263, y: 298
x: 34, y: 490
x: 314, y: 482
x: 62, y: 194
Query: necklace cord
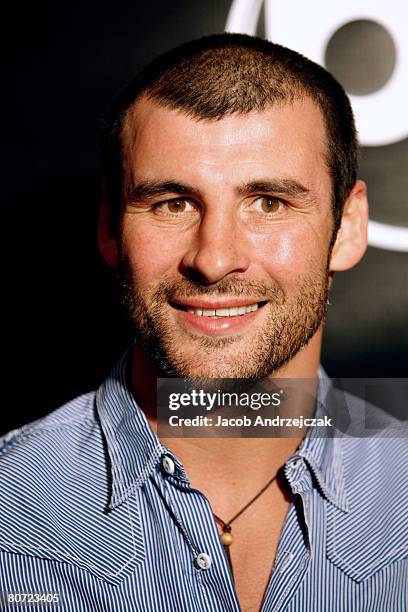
x: 228, y: 523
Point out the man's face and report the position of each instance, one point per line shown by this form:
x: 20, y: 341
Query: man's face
x: 225, y: 237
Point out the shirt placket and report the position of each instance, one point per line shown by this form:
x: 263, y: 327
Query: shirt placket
x: 294, y: 550
x: 209, y: 564
x: 208, y: 558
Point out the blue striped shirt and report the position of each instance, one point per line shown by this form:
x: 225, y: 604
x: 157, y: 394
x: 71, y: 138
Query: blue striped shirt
x: 96, y: 508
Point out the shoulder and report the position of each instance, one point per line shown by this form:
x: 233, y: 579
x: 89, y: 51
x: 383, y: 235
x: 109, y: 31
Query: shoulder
x: 46, y: 468
x: 55, y: 490
x: 376, y: 469
x: 373, y: 441
x: 374, y: 447
x: 64, y: 425
x: 51, y: 458
x: 373, y: 533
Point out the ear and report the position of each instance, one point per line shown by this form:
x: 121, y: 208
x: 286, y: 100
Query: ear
x: 351, y: 240
x: 107, y: 242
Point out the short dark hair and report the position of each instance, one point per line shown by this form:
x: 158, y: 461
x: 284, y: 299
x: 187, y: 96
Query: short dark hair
x: 222, y: 74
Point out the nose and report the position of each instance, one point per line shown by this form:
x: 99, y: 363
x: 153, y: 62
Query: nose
x: 217, y: 249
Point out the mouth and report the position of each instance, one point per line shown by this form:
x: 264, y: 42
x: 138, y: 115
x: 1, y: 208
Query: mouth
x: 219, y: 310
x: 219, y: 318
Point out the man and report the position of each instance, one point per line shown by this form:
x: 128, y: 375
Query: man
x: 231, y: 199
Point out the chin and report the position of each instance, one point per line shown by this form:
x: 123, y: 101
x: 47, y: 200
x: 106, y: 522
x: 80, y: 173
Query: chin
x: 211, y: 366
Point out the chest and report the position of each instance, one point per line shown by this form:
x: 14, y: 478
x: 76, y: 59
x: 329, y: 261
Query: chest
x: 252, y: 572
x: 253, y: 553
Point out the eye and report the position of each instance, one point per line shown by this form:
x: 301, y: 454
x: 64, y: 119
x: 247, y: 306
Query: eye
x: 268, y: 204
x: 175, y: 207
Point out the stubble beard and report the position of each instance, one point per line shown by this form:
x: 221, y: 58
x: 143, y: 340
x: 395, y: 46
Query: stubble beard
x: 289, y: 325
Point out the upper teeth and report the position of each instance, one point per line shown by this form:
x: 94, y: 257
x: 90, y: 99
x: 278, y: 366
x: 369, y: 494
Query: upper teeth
x: 223, y: 312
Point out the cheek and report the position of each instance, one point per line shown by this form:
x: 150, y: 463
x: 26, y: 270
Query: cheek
x: 290, y: 253
x: 150, y: 256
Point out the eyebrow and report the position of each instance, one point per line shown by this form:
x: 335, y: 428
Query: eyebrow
x: 149, y: 189
x: 284, y: 186
x: 153, y: 188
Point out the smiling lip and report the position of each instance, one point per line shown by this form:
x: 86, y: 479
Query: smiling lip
x: 218, y: 317
x: 214, y: 304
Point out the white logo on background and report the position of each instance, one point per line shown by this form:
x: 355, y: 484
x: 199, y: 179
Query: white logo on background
x: 381, y: 116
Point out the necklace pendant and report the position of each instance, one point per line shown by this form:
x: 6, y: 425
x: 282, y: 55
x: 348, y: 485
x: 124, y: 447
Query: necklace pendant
x: 226, y: 536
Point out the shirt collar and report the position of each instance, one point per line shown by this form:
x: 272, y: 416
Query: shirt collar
x: 322, y: 449
x: 134, y: 449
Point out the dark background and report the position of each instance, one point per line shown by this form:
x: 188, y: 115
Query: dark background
x: 64, y: 328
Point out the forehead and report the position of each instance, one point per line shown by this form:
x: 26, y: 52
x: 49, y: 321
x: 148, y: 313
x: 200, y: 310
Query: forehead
x: 286, y: 140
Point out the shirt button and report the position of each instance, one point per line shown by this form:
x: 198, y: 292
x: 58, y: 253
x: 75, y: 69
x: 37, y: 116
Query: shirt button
x: 297, y: 462
x: 203, y: 561
x: 168, y: 465
x: 286, y: 561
